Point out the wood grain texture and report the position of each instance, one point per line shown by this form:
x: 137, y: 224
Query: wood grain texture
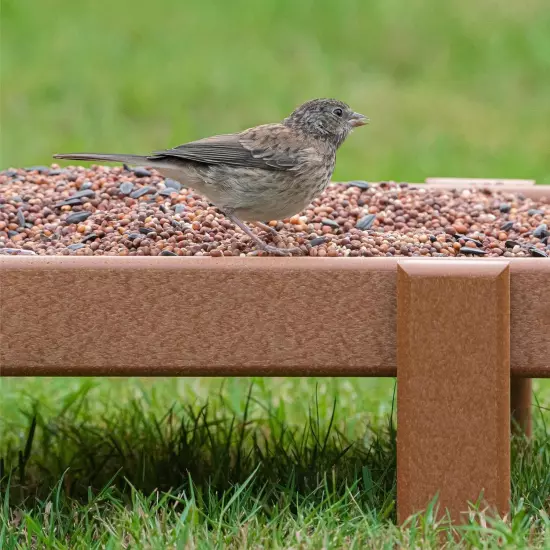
x: 453, y: 392
x: 162, y: 316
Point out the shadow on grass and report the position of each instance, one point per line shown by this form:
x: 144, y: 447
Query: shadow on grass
x: 202, y: 449
x: 212, y: 456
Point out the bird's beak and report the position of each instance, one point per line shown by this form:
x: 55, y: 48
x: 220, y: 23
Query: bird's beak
x: 357, y: 119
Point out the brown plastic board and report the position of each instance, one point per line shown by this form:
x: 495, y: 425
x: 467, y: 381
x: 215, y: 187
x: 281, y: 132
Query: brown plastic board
x: 521, y: 397
x: 453, y: 424
x: 526, y: 187
x: 161, y: 316
x: 484, y: 182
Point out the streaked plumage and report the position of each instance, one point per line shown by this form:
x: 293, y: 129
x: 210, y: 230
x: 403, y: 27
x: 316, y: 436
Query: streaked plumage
x: 264, y: 173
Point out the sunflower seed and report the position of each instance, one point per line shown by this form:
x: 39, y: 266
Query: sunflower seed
x: 20, y: 217
x: 507, y: 226
x: 69, y: 202
x: 330, y: 223
x: 167, y: 253
x: 360, y: 184
x: 365, y: 222
x: 541, y: 231
x: 83, y: 193
x: 504, y: 208
x: 142, y: 191
x: 537, y: 252
x: 173, y: 184
x: 473, y: 251
x: 77, y: 217
x: 90, y: 237
x: 126, y: 187
x: 75, y: 246
x: 17, y: 251
x: 317, y: 241
x: 469, y: 240
x: 142, y: 173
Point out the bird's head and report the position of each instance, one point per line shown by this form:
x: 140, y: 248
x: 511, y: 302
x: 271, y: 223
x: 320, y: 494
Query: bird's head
x: 328, y: 119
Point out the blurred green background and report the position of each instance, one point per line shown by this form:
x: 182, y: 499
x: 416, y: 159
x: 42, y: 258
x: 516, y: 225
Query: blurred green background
x: 455, y: 88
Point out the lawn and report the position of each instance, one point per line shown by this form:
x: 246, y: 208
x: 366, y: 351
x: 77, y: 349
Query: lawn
x: 457, y: 88
x: 236, y: 463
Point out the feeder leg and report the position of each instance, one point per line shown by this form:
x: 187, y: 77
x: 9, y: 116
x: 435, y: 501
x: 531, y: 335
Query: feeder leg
x: 453, y: 386
x: 520, y: 405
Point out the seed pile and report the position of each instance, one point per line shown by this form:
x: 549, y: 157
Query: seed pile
x: 122, y: 212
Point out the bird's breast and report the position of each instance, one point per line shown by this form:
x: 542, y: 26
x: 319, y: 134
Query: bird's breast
x: 254, y: 194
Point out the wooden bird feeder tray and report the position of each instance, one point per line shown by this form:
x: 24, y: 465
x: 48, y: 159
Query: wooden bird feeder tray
x: 463, y: 336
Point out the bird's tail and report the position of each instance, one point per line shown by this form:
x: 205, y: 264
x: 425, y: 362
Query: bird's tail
x: 125, y: 159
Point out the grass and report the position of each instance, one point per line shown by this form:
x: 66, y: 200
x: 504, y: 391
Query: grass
x: 456, y: 88
x: 263, y: 463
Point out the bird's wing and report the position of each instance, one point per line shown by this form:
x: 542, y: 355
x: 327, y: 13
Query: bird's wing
x: 271, y: 147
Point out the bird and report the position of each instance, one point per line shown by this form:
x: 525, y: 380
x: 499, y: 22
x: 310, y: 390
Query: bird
x: 267, y: 172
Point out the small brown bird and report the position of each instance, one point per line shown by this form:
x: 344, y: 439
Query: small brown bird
x: 269, y: 172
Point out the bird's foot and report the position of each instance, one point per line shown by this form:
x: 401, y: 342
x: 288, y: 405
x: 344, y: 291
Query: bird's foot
x: 262, y: 246
x: 276, y: 251
x: 267, y: 228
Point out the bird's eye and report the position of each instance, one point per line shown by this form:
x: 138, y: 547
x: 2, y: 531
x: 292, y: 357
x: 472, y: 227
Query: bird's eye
x: 338, y: 112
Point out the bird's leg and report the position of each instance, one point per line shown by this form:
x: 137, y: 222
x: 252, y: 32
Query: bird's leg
x: 261, y: 225
x: 266, y: 228
x: 259, y: 243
